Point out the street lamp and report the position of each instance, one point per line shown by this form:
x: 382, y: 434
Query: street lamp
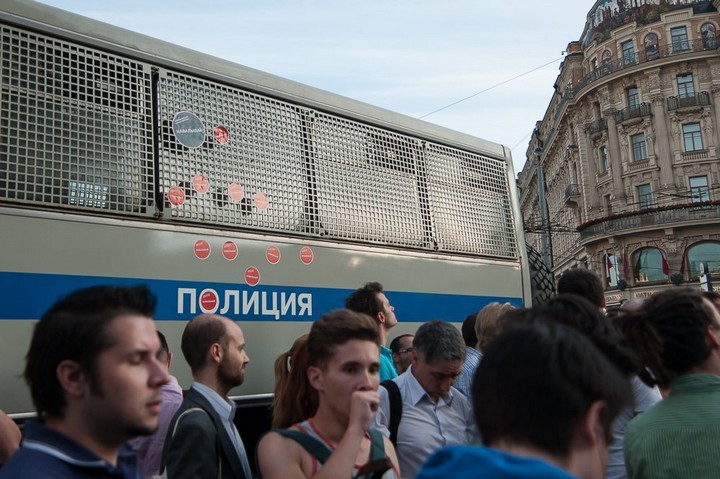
x: 544, y: 217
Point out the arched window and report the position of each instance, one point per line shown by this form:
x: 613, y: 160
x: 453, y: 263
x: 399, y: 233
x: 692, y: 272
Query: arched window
x: 708, y: 252
x: 709, y: 36
x: 607, y: 62
x: 651, y: 46
x: 611, y: 270
x: 649, y: 264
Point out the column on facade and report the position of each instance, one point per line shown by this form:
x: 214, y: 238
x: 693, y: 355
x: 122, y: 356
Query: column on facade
x: 615, y: 155
x: 716, y: 110
x: 663, y: 154
x: 591, y: 176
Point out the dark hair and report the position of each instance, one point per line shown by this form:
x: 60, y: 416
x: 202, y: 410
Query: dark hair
x: 583, y: 282
x: 468, y: 331
x: 395, y: 343
x: 439, y: 340
x: 669, y: 333
x: 295, y: 399
x: 578, y: 313
x: 163, y: 344
x: 336, y: 328
x: 75, y: 328
x: 365, y: 300
x: 200, y: 333
x: 536, y: 382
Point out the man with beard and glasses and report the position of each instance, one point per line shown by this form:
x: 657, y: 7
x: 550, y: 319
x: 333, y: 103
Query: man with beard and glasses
x: 95, y: 379
x: 202, y: 441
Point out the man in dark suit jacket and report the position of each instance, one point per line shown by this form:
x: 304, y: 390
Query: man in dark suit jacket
x: 202, y: 441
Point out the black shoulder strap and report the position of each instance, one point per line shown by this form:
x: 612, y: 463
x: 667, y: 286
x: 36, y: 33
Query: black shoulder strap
x: 395, y: 401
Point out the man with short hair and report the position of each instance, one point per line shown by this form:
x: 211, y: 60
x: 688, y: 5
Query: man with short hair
x: 434, y: 413
x: 149, y: 448
x: 540, y: 414
x: 202, y: 440
x: 583, y: 282
x: 95, y: 380
x: 402, y: 348
x: 371, y: 300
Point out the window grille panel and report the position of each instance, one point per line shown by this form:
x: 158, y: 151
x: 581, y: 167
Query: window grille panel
x: 470, y: 202
x: 367, y: 183
x: 262, y: 157
x: 75, y: 126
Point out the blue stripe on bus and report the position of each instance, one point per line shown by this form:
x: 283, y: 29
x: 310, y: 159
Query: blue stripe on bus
x: 27, y: 295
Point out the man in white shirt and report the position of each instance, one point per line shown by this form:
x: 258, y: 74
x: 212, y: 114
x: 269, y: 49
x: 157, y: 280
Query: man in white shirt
x: 434, y: 413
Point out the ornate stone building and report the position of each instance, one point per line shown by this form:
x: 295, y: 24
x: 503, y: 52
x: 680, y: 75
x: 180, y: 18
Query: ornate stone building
x: 629, y: 148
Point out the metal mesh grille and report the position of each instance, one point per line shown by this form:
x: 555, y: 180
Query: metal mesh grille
x: 76, y: 131
x: 367, y: 183
x: 469, y: 202
x: 75, y: 126
x: 263, y: 156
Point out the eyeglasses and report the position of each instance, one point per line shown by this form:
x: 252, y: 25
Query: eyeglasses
x: 406, y: 350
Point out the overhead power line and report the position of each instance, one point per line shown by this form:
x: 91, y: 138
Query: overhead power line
x: 490, y: 88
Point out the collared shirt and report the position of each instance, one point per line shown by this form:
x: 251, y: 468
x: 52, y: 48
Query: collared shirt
x: 464, y: 382
x: 679, y: 437
x: 225, y: 408
x: 47, y: 453
x: 387, y: 365
x: 426, y: 426
x: 149, y: 448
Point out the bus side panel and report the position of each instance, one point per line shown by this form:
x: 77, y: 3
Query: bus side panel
x: 47, y: 255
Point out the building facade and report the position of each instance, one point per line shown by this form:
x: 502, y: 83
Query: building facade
x: 628, y: 150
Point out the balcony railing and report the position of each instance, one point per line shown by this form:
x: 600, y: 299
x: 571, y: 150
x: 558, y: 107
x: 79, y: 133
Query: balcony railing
x: 643, y: 109
x: 597, y: 126
x: 695, y: 155
x: 649, y: 54
x: 572, y: 190
x: 658, y: 217
x: 699, y: 99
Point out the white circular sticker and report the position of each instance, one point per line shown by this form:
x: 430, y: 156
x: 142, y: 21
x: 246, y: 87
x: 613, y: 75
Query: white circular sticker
x: 188, y: 129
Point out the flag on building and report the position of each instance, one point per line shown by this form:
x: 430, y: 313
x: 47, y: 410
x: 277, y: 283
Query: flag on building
x: 665, y: 267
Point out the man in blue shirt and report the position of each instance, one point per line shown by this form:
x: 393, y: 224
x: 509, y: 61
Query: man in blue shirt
x: 96, y: 381
x: 371, y: 300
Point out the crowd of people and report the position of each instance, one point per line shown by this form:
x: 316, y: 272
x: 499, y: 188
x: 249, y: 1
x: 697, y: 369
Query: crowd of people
x: 563, y: 389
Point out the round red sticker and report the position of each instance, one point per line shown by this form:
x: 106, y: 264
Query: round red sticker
x: 252, y: 276
x: 200, y: 183
x: 230, y: 250
x: 176, y: 196
x: 208, y: 301
x: 306, y: 255
x: 272, y: 253
x: 221, y: 134
x: 236, y: 192
x: 202, y: 249
x: 261, y: 201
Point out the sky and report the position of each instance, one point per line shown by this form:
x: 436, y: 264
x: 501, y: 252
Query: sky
x: 409, y: 56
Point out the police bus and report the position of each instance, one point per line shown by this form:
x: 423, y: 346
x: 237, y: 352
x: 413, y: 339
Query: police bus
x: 127, y: 160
